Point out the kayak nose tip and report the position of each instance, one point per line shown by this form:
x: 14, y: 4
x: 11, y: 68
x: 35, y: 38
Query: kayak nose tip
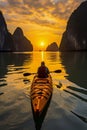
x: 37, y: 112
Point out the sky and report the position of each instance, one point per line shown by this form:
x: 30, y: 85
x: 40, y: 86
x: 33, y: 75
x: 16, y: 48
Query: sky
x: 42, y: 21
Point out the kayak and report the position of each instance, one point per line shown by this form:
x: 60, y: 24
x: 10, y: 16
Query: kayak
x: 41, y: 92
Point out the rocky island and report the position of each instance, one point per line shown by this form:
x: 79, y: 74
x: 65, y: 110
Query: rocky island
x: 75, y: 36
x: 15, y: 42
x: 52, y: 47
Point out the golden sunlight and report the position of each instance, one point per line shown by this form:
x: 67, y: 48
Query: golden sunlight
x: 42, y: 46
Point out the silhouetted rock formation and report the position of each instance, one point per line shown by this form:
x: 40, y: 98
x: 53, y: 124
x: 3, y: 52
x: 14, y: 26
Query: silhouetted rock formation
x: 75, y: 36
x: 15, y: 42
x: 21, y: 42
x: 52, y: 47
x: 5, y: 37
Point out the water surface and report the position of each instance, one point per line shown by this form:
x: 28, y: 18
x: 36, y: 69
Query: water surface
x: 68, y: 105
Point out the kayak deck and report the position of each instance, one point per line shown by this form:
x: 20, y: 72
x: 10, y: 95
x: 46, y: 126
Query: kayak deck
x: 41, y: 91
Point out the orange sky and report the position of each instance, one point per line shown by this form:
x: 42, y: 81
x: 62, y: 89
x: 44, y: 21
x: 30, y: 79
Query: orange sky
x: 42, y: 21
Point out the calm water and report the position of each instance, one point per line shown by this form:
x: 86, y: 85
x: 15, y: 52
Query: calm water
x: 68, y: 106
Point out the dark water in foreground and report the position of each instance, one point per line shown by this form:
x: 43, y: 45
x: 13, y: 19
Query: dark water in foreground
x: 67, y: 109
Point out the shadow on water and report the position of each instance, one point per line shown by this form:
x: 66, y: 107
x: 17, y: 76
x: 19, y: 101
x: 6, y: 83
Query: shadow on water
x: 2, y: 83
x: 11, y: 62
x: 78, y: 90
x: 76, y: 95
x: 39, y: 119
x: 1, y: 93
x: 74, y: 89
x: 80, y: 117
x: 75, y: 64
x: 12, y: 59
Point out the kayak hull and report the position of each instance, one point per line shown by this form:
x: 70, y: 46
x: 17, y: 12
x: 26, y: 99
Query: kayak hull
x: 41, y: 92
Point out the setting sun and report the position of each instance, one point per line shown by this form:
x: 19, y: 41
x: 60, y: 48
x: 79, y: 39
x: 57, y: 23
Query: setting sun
x: 42, y: 44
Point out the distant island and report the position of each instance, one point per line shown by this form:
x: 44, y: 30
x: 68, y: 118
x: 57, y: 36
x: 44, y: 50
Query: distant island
x: 75, y: 36
x: 15, y: 42
x: 52, y: 47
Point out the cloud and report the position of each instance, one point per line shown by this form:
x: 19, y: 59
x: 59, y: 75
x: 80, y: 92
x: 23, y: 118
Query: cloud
x: 47, y: 13
x: 3, y: 3
x: 15, y: 2
x: 64, y: 8
x: 41, y: 8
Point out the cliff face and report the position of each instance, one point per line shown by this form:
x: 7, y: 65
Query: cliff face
x: 15, y: 42
x: 75, y: 36
x: 52, y: 47
x: 21, y: 42
x: 5, y: 36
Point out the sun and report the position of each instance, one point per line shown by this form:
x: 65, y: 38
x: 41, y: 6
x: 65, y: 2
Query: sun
x: 42, y: 46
